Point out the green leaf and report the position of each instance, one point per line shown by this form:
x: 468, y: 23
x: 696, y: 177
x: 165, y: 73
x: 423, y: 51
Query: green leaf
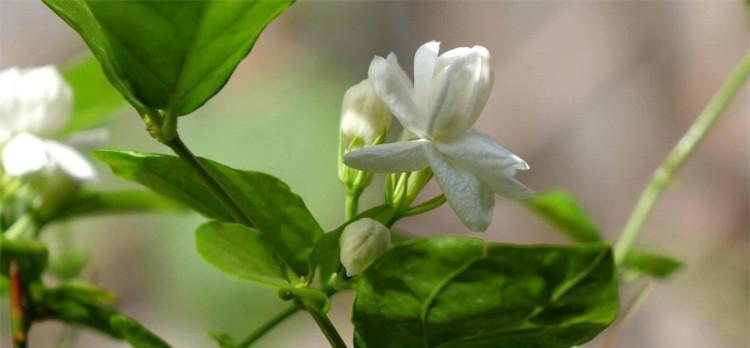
x: 167, y: 175
x: 653, y: 264
x: 560, y: 209
x: 31, y: 256
x: 75, y: 303
x: 68, y: 265
x: 243, y: 252
x: 170, y: 55
x: 268, y: 202
x: 462, y: 292
x: 135, y: 334
x: 112, y: 202
x: 95, y: 100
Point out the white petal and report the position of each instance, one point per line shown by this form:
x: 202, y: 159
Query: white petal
x: 36, y: 101
x: 453, y: 91
x: 398, y: 157
x: 70, y: 160
x: 424, y: 70
x: 88, y: 140
x: 471, y: 200
x: 492, y: 163
x: 24, y: 154
x: 395, y: 89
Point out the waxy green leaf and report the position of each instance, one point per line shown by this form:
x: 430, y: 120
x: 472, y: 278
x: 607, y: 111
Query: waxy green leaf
x: 243, y: 252
x: 135, y: 334
x: 169, y: 55
x: 651, y: 263
x: 462, y: 292
x: 561, y: 210
x: 268, y: 202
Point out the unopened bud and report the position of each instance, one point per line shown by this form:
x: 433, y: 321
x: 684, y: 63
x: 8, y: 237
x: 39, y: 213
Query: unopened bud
x: 361, y: 243
x: 363, y: 114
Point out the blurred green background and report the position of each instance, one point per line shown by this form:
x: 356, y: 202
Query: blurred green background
x: 592, y: 95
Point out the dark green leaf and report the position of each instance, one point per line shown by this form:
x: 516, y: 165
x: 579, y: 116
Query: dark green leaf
x: 135, y: 334
x: 653, y: 264
x: 462, y: 292
x: 95, y: 99
x: 267, y: 201
x: 170, y: 55
x: 112, y: 202
x: 243, y: 252
x: 4, y: 285
x: 31, y: 256
x: 560, y: 209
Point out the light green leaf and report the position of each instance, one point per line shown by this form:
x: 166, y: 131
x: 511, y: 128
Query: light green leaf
x: 560, y: 209
x: 654, y: 264
x: 462, y: 292
x: 95, y: 100
x: 267, y: 201
x: 243, y: 252
x: 169, y: 55
x: 135, y: 334
x: 112, y: 202
x: 68, y: 265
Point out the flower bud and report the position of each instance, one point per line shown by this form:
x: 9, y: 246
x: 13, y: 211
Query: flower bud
x: 361, y: 243
x: 363, y: 114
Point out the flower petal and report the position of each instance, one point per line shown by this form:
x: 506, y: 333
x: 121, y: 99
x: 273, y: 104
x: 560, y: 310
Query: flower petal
x: 492, y: 163
x: 36, y: 101
x: 395, y: 89
x: 24, y: 154
x: 70, y: 161
x: 471, y: 200
x: 424, y: 70
x: 453, y: 91
x: 398, y: 157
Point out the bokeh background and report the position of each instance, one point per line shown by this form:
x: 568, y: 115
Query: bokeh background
x: 593, y: 95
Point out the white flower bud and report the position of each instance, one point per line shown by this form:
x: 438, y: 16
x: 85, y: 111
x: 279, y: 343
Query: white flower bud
x: 27, y: 154
x: 363, y: 114
x: 361, y: 243
x: 34, y: 100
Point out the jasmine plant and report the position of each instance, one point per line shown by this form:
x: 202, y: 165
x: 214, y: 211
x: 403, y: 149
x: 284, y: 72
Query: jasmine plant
x: 436, y: 291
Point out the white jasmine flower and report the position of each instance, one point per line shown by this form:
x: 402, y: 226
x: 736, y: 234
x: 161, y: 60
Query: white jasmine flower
x: 440, y: 108
x: 35, y: 103
x: 363, y: 114
x: 362, y: 242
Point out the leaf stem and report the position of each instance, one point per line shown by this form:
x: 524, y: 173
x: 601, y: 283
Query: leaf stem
x: 187, y: 156
x: 267, y: 326
x: 327, y: 327
x: 352, y: 204
x: 681, y: 152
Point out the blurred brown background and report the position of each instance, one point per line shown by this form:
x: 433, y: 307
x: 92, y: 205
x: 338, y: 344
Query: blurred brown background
x: 593, y: 95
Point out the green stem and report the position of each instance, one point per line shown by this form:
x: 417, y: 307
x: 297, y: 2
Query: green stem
x: 267, y: 326
x: 426, y: 206
x: 24, y: 227
x: 327, y: 327
x: 684, y: 148
x: 352, y: 204
x: 18, y: 316
x: 187, y: 156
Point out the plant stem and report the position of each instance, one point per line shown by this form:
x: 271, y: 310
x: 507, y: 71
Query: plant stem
x: 426, y: 206
x: 267, y: 326
x: 327, y: 327
x: 352, y: 204
x: 19, y: 321
x: 187, y: 156
x: 684, y: 148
